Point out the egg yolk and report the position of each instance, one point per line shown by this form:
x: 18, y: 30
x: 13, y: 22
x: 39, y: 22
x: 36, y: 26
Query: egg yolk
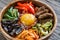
x: 27, y: 19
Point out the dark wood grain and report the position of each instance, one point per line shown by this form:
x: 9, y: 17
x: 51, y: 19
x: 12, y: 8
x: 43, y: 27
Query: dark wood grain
x: 55, y: 4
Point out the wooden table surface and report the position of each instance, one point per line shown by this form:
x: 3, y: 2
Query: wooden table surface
x: 55, y: 4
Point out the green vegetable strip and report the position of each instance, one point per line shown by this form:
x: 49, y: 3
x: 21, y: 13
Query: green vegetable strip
x: 11, y: 14
x: 10, y: 10
x: 47, y: 25
x: 43, y: 29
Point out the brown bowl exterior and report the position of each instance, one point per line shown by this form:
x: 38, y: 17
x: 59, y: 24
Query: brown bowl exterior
x: 37, y: 3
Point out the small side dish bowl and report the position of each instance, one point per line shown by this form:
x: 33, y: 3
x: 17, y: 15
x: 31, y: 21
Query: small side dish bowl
x: 38, y: 3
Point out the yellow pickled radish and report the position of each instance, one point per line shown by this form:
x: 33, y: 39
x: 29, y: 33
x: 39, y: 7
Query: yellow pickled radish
x: 28, y: 19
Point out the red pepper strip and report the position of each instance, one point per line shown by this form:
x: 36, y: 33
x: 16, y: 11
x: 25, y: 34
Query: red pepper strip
x: 31, y: 4
x: 31, y: 9
x: 26, y: 7
x: 21, y: 8
x: 22, y: 5
x: 19, y: 4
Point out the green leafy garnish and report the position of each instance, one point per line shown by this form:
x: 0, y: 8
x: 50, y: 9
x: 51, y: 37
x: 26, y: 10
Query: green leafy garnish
x: 11, y: 14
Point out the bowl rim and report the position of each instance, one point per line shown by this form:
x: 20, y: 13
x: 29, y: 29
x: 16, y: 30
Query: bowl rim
x: 8, y: 36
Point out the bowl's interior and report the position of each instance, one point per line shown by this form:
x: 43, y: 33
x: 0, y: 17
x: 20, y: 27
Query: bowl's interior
x: 36, y: 3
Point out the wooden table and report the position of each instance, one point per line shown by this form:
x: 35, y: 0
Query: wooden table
x: 55, y: 4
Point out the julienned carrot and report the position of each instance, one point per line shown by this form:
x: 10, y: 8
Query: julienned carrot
x: 36, y: 36
x: 28, y: 34
x: 24, y: 32
x: 28, y: 37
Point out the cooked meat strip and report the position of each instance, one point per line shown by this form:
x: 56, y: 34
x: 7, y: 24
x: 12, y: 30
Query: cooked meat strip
x: 44, y: 21
x: 42, y: 12
x: 38, y: 9
x: 45, y: 15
